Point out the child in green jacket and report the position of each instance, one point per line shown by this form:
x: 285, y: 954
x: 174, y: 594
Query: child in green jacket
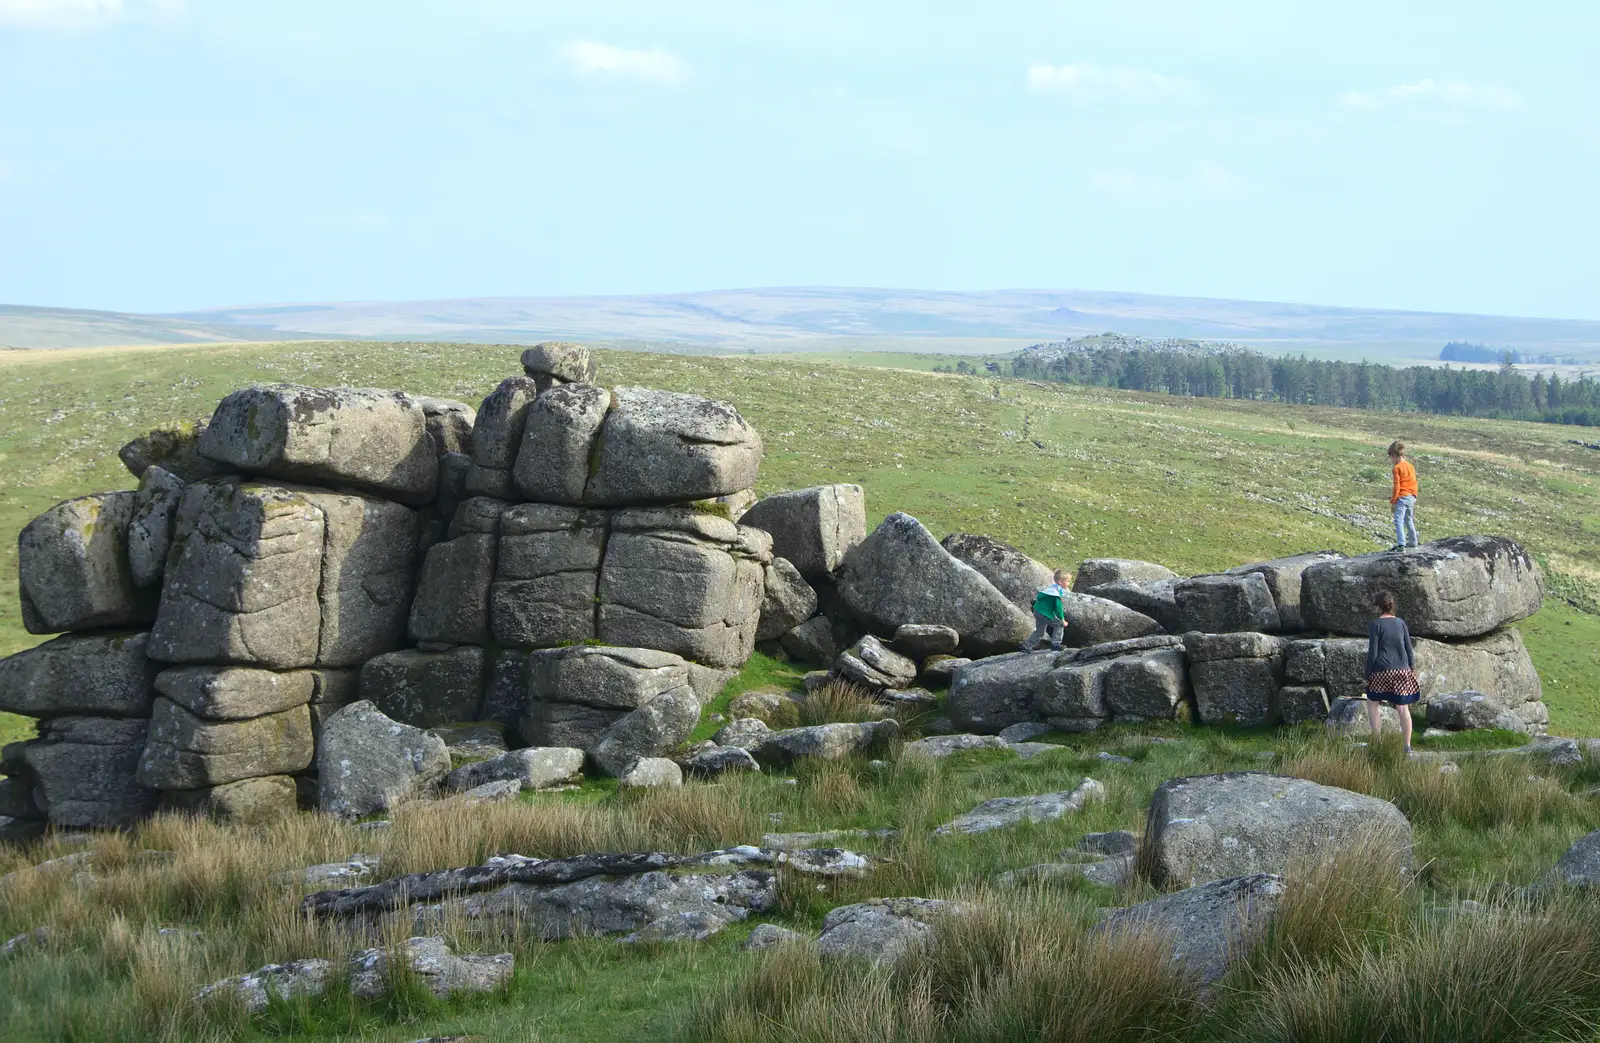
x: 1049, y: 613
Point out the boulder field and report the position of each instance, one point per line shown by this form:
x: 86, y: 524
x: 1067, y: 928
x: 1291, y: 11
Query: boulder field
x: 312, y: 589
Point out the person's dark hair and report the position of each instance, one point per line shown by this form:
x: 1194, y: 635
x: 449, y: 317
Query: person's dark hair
x: 1397, y: 448
x: 1384, y: 602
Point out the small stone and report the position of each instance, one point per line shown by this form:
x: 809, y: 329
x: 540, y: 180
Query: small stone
x: 1009, y: 811
x: 720, y: 759
x: 497, y: 792
x: 1025, y: 731
x: 947, y: 745
x: 770, y: 935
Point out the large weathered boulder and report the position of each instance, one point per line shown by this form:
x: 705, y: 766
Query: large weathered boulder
x: 85, y: 768
x: 869, y: 663
x: 813, y: 528
x: 1097, y: 572
x: 188, y: 752
x: 683, y: 581
x: 367, y: 762
x: 557, y: 453
x: 1338, y: 665
x: 660, y: 447
x: 1463, y: 586
x: 1094, y: 620
x: 653, y: 729
x: 497, y: 437
x: 283, y: 577
x: 96, y: 674
x: 1153, y: 598
x: 72, y: 567
x: 900, y: 574
x: 1236, y: 677
x: 173, y: 446
x: 1283, y: 580
x: 1579, y: 866
x: 1072, y: 694
x: 991, y: 694
x: 1012, y: 572
x: 787, y: 602
x: 1208, y: 827
x: 825, y: 741
x: 235, y: 693
x: 453, y: 589
x: 1209, y: 926
x: 880, y: 930
x: 1226, y: 604
x: 372, y: 440
x: 155, y: 506
x: 568, y: 363
x: 426, y: 688
x: 576, y: 694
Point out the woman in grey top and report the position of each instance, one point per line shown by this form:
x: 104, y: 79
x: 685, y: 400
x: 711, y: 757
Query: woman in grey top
x: 1390, y: 676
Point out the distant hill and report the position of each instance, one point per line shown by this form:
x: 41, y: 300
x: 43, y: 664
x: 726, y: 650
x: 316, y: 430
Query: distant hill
x: 833, y: 318
x: 25, y: 327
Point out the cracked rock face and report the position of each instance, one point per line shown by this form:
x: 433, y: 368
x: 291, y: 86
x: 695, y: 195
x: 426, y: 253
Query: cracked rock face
x: 85, y: 767
x: 1463, y: 586
x: 155, y: 506
x: 370, y: 439
x: 188, y: 752
x: 1208, y: 827
x: 1012, y: 572
x: 812, y: 528
x: 282, y: 577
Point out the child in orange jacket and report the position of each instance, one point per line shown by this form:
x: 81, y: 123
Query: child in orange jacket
x: 1404, y: 497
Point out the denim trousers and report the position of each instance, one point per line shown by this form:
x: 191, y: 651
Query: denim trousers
x: 1405, y: 519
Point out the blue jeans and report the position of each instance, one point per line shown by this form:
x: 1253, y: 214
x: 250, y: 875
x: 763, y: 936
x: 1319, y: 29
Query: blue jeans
x: 1405, y: 518
x: 1044, y: 626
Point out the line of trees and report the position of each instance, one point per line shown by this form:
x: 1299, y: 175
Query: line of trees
x: 1466, y: 351
x: 1241, y: 373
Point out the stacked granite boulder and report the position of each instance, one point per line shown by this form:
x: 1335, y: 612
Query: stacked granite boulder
x: 305, y: 548
x: 1265, y: 643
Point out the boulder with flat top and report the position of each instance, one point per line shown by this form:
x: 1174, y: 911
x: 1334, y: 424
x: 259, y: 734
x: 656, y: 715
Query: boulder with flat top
x: 367, y: 439
x: 1463, y: 586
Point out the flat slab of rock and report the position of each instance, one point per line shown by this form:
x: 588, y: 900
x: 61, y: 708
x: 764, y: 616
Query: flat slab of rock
x: 869, y: 663
x: 1095, y: 572
x: 1209, y: 827
x: 90, y: 674
x: 881, y: 930
x: 825, y: 838
x: 717, y: 760
x: 282, y: 981
x: 770, y: 936
x: 537, y: 767
x: 1463, y: 586
x: 874, y: 582
x: 949, y: 745
x: 1002, y: 812
x: 1210, y: 925
x: 430, y: 961
x: 988, y: 695
x: 652, y: 773
x: 920, y: 640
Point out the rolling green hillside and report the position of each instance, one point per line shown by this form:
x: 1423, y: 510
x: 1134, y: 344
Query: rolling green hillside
x: 1062, y: 472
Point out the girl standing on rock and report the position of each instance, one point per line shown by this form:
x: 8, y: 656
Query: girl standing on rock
x: 1403, y: 497
x: 1390, y: 669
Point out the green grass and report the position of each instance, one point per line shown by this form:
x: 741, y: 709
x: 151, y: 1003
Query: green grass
x: 1196, y: 484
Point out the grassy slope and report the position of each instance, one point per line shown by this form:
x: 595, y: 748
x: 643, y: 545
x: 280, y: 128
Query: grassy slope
x: 1197, y: 484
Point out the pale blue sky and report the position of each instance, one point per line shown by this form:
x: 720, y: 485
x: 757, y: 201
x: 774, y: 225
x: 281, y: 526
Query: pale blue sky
x: 170, y: 154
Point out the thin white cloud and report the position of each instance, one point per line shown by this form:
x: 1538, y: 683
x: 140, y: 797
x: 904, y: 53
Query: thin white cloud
x: 1091, y: 83
x: 602, y: 60
x: 1432, y: 94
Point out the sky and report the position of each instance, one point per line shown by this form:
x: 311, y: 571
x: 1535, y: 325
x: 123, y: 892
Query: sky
x: 161, y: 155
